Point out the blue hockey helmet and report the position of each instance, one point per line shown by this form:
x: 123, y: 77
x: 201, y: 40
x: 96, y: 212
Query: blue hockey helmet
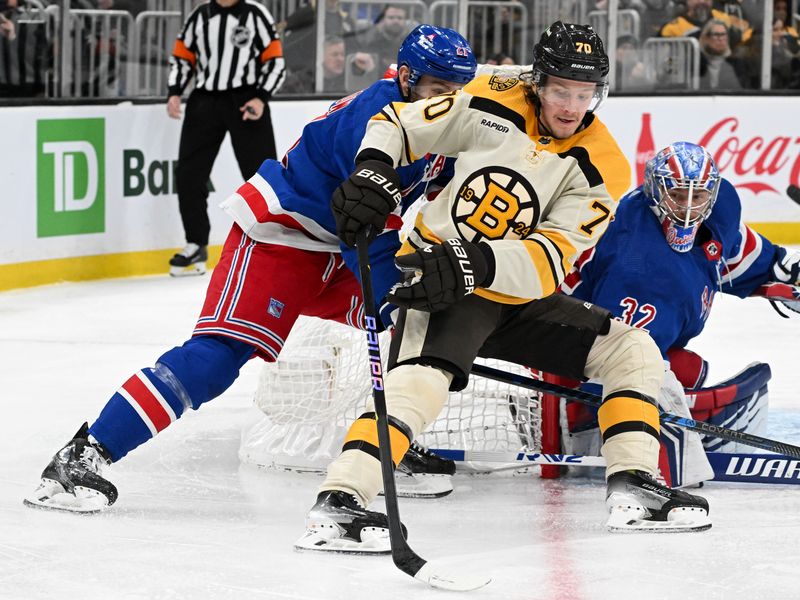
x: 681, y: 182
x: 439, y: 52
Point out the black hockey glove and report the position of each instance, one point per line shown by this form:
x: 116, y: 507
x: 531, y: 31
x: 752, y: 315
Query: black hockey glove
x: 365, y: 199
x: 450, y: 271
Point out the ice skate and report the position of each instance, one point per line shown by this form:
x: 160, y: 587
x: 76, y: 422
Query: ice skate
x: 637, y: 502
x: 72, y: 481
x: 423, y: 474
x: 189, y: 261
x: 338, y: 523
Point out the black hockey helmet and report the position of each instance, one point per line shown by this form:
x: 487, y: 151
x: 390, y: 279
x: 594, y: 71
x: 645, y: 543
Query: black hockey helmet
x: 571, y: 51
x: 574, y: 52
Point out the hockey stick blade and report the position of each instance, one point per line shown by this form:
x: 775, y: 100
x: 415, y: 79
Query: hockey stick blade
x: 403, y: 556
x: 594, y: 400
x: 441, y: 578
x: 793, y: 192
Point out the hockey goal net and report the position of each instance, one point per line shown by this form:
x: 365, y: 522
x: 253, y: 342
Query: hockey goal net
x: 320, y: 384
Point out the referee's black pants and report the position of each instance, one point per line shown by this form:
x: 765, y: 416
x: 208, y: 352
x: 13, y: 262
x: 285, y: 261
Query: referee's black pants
x: 208, y: 117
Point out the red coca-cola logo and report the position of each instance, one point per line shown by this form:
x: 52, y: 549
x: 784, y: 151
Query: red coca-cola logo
x: 752, y: 159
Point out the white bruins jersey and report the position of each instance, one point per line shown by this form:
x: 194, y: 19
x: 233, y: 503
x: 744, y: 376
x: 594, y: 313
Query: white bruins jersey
x: 538, y: 202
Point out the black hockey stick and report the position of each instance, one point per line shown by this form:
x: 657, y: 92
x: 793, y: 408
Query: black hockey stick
x: 595, y: 401
x: 403, y: 556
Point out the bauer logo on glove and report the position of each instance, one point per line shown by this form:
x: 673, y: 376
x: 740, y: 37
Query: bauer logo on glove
x: 365, y: 200
x: 445, y: 273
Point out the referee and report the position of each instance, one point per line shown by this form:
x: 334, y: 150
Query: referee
x: 234, y: 50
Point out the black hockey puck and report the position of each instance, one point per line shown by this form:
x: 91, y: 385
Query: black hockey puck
x: 794, y: 193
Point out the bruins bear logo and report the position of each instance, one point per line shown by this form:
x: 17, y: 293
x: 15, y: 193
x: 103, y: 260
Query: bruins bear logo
x: 495, y: 203
x: 501, y: 83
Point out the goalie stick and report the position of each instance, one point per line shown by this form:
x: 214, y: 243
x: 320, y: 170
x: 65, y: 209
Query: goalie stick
x: 595, y: 401
x: 403, y: 556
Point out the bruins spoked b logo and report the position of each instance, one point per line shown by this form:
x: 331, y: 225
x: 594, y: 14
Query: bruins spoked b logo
x: 495, y: 203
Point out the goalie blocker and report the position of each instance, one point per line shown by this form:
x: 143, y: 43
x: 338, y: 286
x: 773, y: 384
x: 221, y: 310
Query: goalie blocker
x: 738, y: 403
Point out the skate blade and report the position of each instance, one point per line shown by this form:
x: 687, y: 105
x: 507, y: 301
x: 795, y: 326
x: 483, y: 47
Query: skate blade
x: 190, y: 271
x: 423, y: 485
x: 679, y: 520
x: 65, y: 502
x: 318, y: 541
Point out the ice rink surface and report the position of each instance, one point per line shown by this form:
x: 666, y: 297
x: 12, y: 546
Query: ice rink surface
x: 192, y: 523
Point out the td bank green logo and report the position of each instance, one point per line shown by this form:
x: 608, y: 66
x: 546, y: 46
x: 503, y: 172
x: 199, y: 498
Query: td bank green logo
x: 70, y: 174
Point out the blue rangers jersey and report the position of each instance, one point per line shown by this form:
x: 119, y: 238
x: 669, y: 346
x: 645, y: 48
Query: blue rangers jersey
x: 288, y: 202
x: 633, y: 272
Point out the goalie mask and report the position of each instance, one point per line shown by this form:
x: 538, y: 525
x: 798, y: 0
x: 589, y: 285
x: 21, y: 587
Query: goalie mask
x: 572, y: 52
x: 439, y: 52
x: 681, y: 182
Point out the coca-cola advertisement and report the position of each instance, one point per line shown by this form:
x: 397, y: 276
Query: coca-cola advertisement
x: 755, y: 142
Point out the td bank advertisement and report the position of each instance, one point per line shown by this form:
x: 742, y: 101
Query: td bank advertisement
x: 90, y: 181
x: 98, y: 180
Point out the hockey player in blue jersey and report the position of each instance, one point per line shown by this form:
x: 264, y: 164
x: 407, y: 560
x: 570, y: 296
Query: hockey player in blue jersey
x: 283, y: 258
x: 675, y: 242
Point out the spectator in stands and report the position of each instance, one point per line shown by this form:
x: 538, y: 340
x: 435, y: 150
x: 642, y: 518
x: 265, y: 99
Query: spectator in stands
x: 300, y: 33
x: 377, y: 46
x: 652, y: 13
x: 337, y: 21
x: 751, y: 11
x: 716, y: 69
x: 780, y: 11
x: 503, y: 29
x: 632, y: 74
x: 24, y: 56
x: 700, y: 12
x: 785, y: 54
x: 303, y: 81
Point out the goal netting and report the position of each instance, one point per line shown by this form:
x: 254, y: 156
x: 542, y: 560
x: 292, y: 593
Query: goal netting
x: 320, y: 384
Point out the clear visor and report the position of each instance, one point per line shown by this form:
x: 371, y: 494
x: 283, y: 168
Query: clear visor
x: 688, y: 202
x: 578, y: 98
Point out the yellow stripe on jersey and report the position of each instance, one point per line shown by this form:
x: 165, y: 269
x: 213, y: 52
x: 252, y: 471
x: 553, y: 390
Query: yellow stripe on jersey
x: 424, y: 232
x: 397, y: 108
x: 548, y: 278
x: 624, y: 411
x: 568, y: 251
x: 365, y: 429
x: 501, y: 298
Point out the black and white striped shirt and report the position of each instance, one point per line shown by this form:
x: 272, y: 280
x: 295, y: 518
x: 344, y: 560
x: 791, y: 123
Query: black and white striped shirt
x: 228, y: 48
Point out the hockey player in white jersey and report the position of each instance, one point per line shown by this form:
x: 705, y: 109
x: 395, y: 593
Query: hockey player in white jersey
x: 536, y: 182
